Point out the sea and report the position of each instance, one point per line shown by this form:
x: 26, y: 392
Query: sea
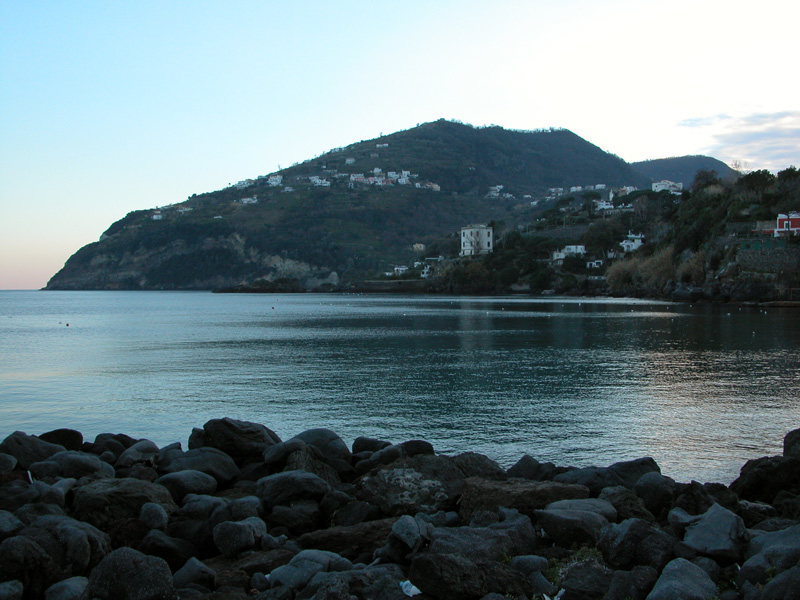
x: 700, y: 388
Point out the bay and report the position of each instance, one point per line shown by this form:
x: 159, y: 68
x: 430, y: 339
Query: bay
x: 699, y: 388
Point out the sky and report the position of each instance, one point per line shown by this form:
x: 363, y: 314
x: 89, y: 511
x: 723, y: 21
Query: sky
x: 110, y: 107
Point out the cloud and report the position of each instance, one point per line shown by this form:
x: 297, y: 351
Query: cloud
x: 756, y: 141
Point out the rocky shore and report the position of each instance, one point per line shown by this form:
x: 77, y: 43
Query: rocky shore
x: 243, y: 514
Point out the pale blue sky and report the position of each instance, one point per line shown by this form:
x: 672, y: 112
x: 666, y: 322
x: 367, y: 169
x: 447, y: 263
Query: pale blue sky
x: 108, y: 107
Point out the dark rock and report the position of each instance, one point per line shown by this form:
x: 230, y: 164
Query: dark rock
x: 306, y: 460
x: 208, y: 460
x: 298, y: 572
x: 631, y: 585
x: 71, y: 464
x: 11, y: 590
x: 7, y: 462
x: 627, y: 504
x: 568, y: 527
x: 694, y: 498
x: 10, y: 525
x: 788, y: 505
x: 416, y: 447
x: 377, y: 581
x: 106, y: 500
x: 409, y: 535
x: 528, y: 467
x: 142, y: 452
x: 636, y: 542
x: 775, y: 524
x: 709, y: 566
x: 753, y: 513
x: 791, y: 444
x: 352, y: 542
x: 243, y: 441
x: 16, y: 494
x: 760, y: 480
x: 402, y: 491
x: 594, y: 478
x: 585, y: 580
x: 531, y: 567
x: 354, y: 513
x: 24, y: 560
x: 173, y: 550
x: 473, y: 464
x: 602, y: 507
x: 785, y: 586
x: 631, y: 471
x: 283, y: 488
x: 328, y: 443
x: 67, y: 589
x: 233, y: 537
x: 127, y: 574
x: 30, y: 512
x: 190, y: 481
x: 366, y: 444
x: 69, y: 438
x: 275, y: 456
x: 454, y: 577
x: 194, y: 572
x: 657, y: 492
x: 524, y: 496
x: 681, y: 579
x: 257, y: 561
x: 475, y: 543
x: 300, y: 516
x: 719, y: 534
x: 154, y: 516
x: 28, y: 449
x: 770, y: 553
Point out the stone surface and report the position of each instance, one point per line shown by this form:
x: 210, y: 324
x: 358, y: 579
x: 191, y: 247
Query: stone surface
x: 682, y: 580
x: 28, y: 449
x: 636, y: 542
x: 602, y: 507
x: 106, y: 500
x: 657, y: 492
x: 627, y: 504
x: 208, y: 460
x: 403, y: 491
x: 525, y: 496
x: 73, y: 465
x: 761, y: 480
x: 594, y: 478
x: 127, y: 574
x: 241, y: 440
x: 631, y: 471
x: 791, y: 444
x: 718, y: 534
x: 568, y: 527
x: 186, y: 482
x: 69, y: 438
x: 194, y: 572
x: 283, y: 488
x: 454, y: 577
x: 67, y: 589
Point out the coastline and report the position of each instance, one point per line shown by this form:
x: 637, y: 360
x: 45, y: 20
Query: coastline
x: 242, y: 513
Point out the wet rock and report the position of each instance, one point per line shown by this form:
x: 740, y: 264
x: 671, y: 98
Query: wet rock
x: 186, y: 482
x: 69, y: 438
x: 719, y: 534
x: 127, y: 574
x: 636, y: 542
x: 412, y: 448
x: 67, y: 589
x: 681, y: 579
x: 107, y: 500
x: 28, y: 449
x: 627, y: 504
x: 524, y: 496
x: 208, y: 460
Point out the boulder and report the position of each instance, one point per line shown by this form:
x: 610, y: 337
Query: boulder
x: 17, y: 493
x: 328, y: 443
x: 355, y: 512
x: 25, y: 561
x: 191, y: 481
x: 10, y: 525
x: 476, y: 543
x: 657, y: 492
x: 69, y: 438
x: 528, y: 467
x: 682, y: 579
x: 307, y: 459
x: 28, y: 449
x: 71, y: 464
x: 173, y: 550
x: 602, y: 507
x: 355, y: 542
x: 127, y: 574
x: 522, y: 495
x: 243, y: 441
x: 7, y: 463
x: 11, y: 590
x: 784, y: 586
x: 569, y: 527
x: 472, y: 464
x: 631, y: 471
x: 194, y: 572
x: 409, y: 534
x: 761, y: 480
x: 67, y: 589
x: 298, y: 572
x: 719, y: 534
x: 627, y: 504
x: 107, y: 500
x: 233, y: 537
x: 769, y: 554
x: 367, y: 444
x: 208, y: 460
x: 402, y: 491
x: 594, y: 478
x: 631, y: 585
x: 791, y: 444
x: 636, y: 542
x: 283, y: 488
x: 455, y: 577
x: 154, y: 516
x: 142, y: 452
x: 300, y: 516
x: 586, y: 580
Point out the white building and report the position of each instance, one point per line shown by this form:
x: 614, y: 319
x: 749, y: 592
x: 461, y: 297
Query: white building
x: 251, y: 200
x: 349, y: 161
x: 634, y: 241
x: 670, y: 186
x: 603, y: 205
x: 476, y: 239
x: 275, y: 180
x: 244, y: 183
x: 571, y: 250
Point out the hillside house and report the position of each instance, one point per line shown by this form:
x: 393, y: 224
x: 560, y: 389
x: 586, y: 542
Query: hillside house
x: 570, y: 250
x: 476, y: 239
x: 244, y: 183
x: 157, y: 216
x: 251, y: 200
x: 275, y: 180
x: 787, y: 224
x: 670, y: 186
x: 633, y: 242
x: 349, y: 161
x: 603, y: 205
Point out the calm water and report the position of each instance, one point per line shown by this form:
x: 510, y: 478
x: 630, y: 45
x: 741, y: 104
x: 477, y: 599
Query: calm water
x: 699, y: 388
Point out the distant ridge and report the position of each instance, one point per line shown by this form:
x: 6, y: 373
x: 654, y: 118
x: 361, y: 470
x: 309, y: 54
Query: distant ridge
x: 348, y: 214
x: 682, y: 169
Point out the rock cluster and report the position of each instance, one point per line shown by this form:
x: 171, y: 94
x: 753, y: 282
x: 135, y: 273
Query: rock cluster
x: 244, y: 514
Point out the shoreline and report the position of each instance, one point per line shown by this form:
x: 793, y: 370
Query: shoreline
x: 244, y: 514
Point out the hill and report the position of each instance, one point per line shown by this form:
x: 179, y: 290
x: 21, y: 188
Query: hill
x: 682, y: 169
x: 347, y: 214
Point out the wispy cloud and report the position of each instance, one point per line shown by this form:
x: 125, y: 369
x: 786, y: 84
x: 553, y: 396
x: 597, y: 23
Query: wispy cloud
x: 756, y: 141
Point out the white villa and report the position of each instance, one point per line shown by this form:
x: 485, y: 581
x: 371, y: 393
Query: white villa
x: 670, y: 186
x: 476, y: 239
x: 633, y: 242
